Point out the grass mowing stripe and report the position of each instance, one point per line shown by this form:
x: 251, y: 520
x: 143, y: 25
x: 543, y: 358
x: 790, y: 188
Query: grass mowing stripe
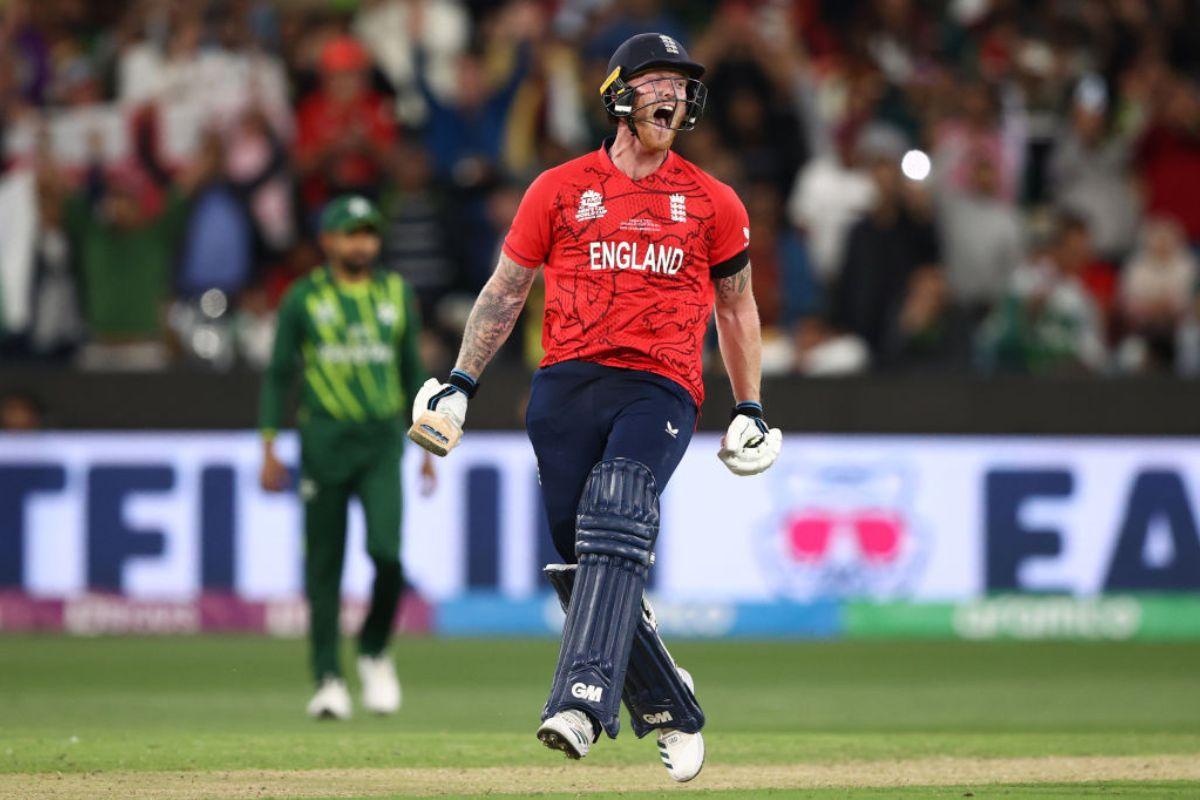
x: 1160, y: 790
x: 584, y: 779
x: 71, y: 705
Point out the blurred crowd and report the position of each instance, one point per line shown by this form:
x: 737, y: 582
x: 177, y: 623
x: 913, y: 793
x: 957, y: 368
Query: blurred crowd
x: 987, y: 185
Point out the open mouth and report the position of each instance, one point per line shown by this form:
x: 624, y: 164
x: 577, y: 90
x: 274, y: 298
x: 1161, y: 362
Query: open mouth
x: 664, y: 115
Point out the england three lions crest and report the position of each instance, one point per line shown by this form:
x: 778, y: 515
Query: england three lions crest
x: 843, y: 531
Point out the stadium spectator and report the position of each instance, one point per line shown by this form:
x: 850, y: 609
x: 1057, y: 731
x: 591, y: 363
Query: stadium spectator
x: 548, y: 120
x: 465, y: 133
x: 786, y: 289
x: 833, y: 189
x: 29, y: 57
x: 1049, y: 321
x: 1168, y: 157
x: 1090, y: 171
x: 421, y: 240
x: 465, y: 137
x: 753, y: 75
x: 620, y: 19
x: 257, y: 163
x: 1024, y: 108
x: 889, y: 290
x: 345, y: 129
x: 979, y: 126
x: 831, y: 192
x: 125, y: 230
x: 981, y: 238
x: 393, y: 37
x: 1157, y: 296
x: 56, y: 326
x: 217, y: 245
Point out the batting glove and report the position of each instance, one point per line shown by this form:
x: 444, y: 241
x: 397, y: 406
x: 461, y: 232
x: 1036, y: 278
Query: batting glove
x: 439, y: 412
x: 749, y: 446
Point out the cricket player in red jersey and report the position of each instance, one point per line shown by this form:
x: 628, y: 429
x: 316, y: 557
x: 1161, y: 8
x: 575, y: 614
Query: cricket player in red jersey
x: 639, y: 246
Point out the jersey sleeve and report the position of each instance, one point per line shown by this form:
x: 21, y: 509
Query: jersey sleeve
x: 729, y: 248
x: 277, y: 380
x: 530, y: 238
x: 412, y: 370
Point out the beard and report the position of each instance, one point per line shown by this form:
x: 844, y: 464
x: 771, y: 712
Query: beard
x: 653, y: 132
x: 356, y: 265
x: 654, y: 136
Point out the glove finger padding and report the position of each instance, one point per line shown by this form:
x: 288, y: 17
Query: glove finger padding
x: 441, y: 398
x: 744, y: 431
x: 746, y: 451
x: 438, y: 413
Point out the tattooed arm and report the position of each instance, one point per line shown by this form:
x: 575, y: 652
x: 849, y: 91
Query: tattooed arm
x: 739, y: 334
x: 494, y: 314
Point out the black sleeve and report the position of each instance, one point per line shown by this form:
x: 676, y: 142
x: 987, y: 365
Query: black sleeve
x: 730, y: 266
x: 276, y: 164
x: 927, y: 248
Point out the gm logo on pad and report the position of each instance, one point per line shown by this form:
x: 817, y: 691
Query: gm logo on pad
x: 587, y: 692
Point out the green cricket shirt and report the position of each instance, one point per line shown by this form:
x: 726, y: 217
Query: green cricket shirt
x: 355, y: 345
x: 126, y: 274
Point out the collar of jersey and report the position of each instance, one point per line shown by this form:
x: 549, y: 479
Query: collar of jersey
x: 352, y: 289
x: 606, y: 159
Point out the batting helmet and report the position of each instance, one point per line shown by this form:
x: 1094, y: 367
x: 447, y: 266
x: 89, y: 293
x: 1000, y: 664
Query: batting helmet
x: 644, y: 52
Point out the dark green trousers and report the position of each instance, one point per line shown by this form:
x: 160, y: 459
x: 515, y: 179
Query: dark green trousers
x: 340, y: 460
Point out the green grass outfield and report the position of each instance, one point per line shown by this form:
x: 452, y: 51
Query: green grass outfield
x: 223, y: 717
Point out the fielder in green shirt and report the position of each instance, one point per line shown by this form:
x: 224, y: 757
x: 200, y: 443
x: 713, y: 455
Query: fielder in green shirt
x: 351, y: 332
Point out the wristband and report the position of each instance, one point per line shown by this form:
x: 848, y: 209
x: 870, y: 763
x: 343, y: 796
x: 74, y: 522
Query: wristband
x: 747, y: 408
x: 463, y: 382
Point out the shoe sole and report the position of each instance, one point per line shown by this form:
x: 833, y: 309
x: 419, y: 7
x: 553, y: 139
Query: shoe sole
x: 556, y: 741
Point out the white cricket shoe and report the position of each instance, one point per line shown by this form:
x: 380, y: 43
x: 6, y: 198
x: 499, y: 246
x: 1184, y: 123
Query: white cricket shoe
x: 681, y: 753
x: 332, y: 700
x: 570, y: 731
x: 380, y: 688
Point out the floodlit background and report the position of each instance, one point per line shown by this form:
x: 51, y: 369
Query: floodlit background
x: 969, y: 218
x: 975, y: 224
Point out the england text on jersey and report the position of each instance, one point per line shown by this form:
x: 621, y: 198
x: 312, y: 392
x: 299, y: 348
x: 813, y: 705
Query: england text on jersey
x: 637, y: 256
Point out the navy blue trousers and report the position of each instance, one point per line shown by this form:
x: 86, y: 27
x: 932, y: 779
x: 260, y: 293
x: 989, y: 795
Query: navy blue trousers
x: 582, y: 413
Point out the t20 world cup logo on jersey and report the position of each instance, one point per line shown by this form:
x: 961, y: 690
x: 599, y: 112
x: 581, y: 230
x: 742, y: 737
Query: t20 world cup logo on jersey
x: 843, y: 531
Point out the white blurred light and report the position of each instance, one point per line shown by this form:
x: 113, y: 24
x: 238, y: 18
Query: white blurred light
x: 206, y: 342
x: 916, y: 165
x: 213, y: 303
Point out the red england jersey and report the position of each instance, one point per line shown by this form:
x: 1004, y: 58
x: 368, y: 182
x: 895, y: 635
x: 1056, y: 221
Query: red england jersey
x: 630, y: 265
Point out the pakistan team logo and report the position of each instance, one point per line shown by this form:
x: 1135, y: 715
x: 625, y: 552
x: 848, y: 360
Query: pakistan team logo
x: 387, y: 313
x: 324, y: 312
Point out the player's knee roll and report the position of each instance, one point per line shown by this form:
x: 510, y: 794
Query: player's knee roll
x: 618, y: 513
